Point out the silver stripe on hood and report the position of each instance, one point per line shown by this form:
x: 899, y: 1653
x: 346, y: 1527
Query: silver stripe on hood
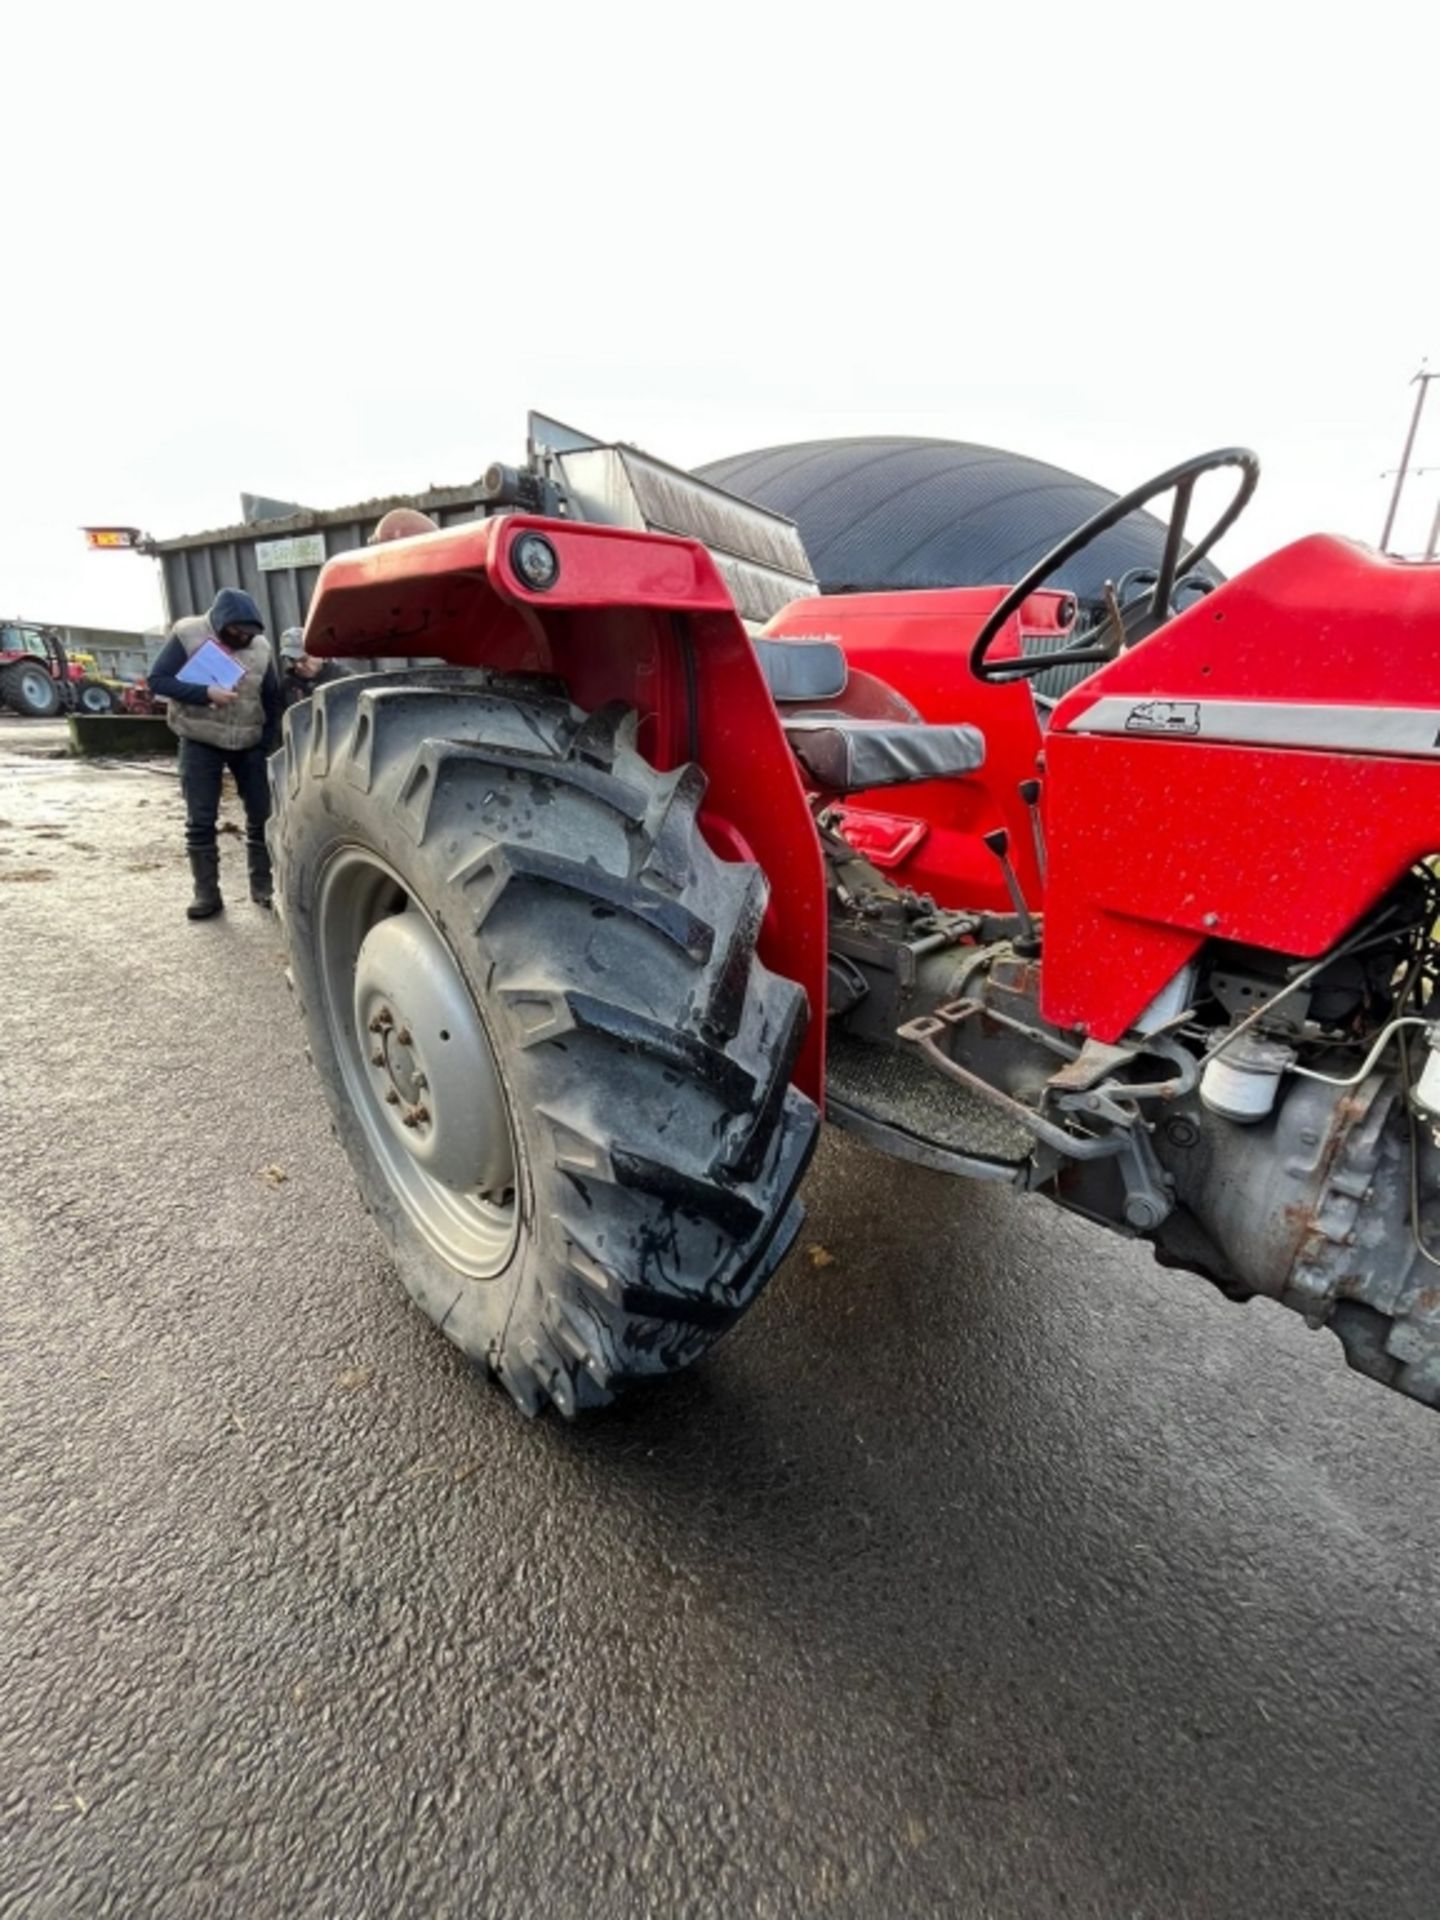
x: 1266, y: 723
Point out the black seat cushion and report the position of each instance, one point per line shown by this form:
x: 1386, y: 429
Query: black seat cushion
x: 847, y: 756
x: 803, y: 669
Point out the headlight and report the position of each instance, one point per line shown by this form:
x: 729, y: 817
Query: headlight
x: 536, y: 561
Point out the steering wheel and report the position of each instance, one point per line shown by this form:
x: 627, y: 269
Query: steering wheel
x: 1156, y: 606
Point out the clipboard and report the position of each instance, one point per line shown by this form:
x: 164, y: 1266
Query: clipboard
x: 211, y: 666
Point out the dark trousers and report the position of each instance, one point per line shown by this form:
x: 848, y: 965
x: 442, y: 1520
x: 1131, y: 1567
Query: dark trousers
x: 202, y: 768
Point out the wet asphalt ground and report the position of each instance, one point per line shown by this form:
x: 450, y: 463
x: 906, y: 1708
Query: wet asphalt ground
x: 985, y: 1570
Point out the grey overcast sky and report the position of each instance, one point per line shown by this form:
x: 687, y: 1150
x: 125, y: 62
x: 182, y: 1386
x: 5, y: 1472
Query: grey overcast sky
x: 330, y: 253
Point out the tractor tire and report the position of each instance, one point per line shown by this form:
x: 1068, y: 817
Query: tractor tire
x: 30, y: 690
x: 560, y: 1073
x: 92, y: 697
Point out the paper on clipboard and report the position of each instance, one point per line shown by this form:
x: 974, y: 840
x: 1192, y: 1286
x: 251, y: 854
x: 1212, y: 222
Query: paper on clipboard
x: 211, y: 666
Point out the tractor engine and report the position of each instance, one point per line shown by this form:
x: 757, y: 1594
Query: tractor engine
x: 1273, y: 1127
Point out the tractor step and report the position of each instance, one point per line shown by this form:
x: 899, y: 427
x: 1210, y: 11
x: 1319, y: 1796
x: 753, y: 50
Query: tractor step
x: 891, y: 1098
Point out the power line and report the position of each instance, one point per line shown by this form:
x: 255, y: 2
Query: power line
x: 1422, y: 379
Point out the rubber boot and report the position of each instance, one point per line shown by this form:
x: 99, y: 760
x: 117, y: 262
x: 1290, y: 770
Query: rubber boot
x: 205, y: 869
x: 262, y: 889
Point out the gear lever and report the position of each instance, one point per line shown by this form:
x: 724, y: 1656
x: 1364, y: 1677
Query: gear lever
x: 999, y: 844
x: 1030, y: 794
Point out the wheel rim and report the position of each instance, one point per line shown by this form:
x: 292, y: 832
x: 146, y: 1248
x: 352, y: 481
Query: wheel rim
x: 38, y: 688
x: 94, y: 701
x: 417, y: 1063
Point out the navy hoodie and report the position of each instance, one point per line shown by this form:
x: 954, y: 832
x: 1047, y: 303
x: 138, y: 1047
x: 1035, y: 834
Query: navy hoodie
x: 231, y: 607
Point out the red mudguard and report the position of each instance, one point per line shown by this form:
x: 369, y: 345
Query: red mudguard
x: 632, y: 617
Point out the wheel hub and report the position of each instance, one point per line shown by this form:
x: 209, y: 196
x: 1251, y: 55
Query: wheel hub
x: 430, y: 1069
x: 396, y: 1056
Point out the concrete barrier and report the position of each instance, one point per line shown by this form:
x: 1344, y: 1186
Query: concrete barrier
x: 116, y: 735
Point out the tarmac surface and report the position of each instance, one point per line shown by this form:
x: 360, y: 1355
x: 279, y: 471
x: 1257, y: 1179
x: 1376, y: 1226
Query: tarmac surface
x: 986, y: 1570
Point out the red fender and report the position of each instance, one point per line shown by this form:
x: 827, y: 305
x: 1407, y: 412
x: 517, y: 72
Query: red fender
x: 636, y: 617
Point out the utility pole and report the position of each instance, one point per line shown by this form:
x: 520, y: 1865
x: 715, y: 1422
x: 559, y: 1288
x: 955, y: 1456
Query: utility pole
x: 1422, y: 380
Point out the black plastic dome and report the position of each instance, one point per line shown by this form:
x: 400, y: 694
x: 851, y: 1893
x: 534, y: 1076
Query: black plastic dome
x: 887, y: 512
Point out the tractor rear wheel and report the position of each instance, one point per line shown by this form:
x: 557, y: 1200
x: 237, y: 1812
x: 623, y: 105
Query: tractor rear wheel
x: 29, y: 689
x: 559, y: 1070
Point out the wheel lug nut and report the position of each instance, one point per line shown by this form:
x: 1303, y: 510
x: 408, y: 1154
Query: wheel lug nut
x: 377, y: 1059
x: 403, y: 1036
x: 383, y: 1019
x: 392, y: 1098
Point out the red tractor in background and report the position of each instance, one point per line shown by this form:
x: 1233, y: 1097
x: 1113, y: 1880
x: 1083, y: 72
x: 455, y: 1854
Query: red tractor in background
x: 595, y: 912
x: 38, y: 678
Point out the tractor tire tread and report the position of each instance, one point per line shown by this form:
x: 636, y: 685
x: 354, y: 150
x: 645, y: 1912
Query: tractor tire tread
x: 647, y: 1049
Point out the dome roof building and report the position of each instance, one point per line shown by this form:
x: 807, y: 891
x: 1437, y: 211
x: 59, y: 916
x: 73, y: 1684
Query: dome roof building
x: 887, y: 511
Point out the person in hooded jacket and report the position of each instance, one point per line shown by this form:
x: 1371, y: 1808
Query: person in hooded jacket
x: 221, y: 727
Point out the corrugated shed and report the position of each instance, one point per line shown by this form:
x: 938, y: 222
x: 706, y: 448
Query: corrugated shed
x: 196, y: 565
x: 887, y: 512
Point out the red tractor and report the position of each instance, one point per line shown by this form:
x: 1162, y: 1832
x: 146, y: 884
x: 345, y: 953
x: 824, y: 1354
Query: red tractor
x: 38, y: 678
x: 593, y: 921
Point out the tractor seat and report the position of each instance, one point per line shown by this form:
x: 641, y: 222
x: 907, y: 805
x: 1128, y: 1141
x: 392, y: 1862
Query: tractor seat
x: 847, y: 756
x: 853, y: 731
